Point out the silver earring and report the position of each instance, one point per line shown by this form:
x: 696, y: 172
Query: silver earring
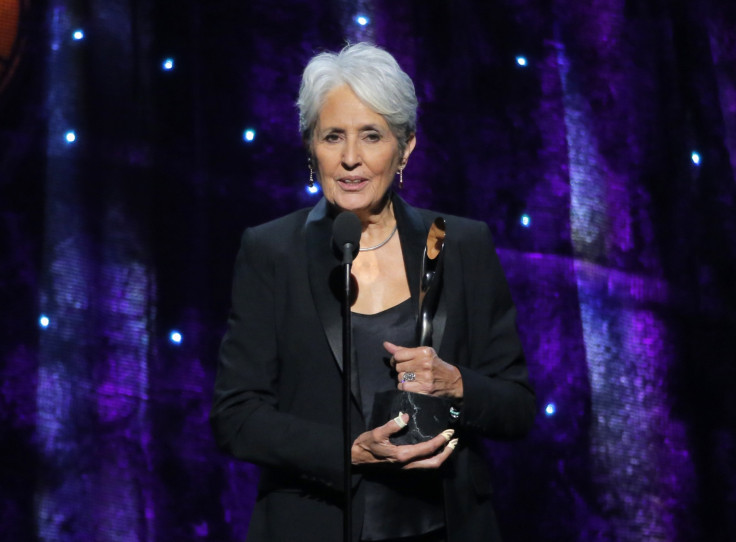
x: 310, y: 184
x: 401, y: 177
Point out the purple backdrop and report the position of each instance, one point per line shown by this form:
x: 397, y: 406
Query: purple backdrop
x: 597, y: 139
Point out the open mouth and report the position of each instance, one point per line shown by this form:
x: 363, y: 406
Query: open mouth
x: 352, y: 183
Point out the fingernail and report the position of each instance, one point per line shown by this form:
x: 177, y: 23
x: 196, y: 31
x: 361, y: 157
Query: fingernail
x: 400, y: 420
x: 447, y: 433
x: 452, y: 443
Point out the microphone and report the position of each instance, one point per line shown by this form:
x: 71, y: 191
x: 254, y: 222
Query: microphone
x: 346, y: 235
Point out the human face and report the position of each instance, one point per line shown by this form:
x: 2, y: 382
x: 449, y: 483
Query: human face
x: 357, y: 153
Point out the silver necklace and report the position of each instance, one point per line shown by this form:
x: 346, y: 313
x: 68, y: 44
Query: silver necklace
x: 379, y: 245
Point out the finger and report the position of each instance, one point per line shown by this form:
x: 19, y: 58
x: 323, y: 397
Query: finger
x: 394, y: 425
x: 409, y: 381
x: 404, y: 354
x: 436, y: 460
x: 400, y: 367
x: 406, y: 376
x: 399, y: 353
x: 391, y: 348
x: 401, y: 420
x: 429, y: 460
x: 412, y: 452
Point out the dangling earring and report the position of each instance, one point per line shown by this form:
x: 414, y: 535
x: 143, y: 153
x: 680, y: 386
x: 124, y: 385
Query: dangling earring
x: 310, y: 184
x: 401, y: 177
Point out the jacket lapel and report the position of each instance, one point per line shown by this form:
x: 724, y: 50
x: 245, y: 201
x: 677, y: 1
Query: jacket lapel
x: 324, y: 276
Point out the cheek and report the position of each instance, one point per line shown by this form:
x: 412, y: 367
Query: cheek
x: 324, y: 162
x: 389, y: 164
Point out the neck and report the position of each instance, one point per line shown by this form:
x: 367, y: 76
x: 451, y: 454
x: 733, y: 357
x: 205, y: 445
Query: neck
x: 380, y: 215
x: 378, y: 229
x: 377, y: 219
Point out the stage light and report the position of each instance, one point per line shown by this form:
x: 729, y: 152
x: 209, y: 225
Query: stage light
x: 526, y: 220
x: 70, y: 136
x: 168, y: 64
x: 249, y: 135
x: 78, y: 35
x: 44, y: 321
x: 695, y: 157
x: 362, y: 20
x: 550, y: 409
x: 521, y: 61
x: 312, y: 190
x: 175, y: 337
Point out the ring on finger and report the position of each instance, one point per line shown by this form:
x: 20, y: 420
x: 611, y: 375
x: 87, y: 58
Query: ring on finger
x: 409, y: 377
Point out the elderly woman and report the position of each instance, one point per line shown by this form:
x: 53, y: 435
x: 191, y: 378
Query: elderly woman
x: 278, y: 389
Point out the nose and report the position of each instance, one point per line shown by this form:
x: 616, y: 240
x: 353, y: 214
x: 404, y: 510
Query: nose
x: 351, y: 154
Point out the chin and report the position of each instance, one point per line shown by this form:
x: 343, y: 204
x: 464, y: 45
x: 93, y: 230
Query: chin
x: 358, y: 203
x: 352, y: 205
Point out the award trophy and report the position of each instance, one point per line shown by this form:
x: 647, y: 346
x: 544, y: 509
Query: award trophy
x: 428, y: 414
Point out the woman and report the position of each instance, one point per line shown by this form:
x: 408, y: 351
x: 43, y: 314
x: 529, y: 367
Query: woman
x: 278, y: 390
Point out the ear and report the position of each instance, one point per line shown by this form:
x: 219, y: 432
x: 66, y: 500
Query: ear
x: 410, y: 144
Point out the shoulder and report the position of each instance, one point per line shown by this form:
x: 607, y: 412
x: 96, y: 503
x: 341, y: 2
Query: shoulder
x: 286, y: 224
x: 273, y: 240
x: 278, y: 231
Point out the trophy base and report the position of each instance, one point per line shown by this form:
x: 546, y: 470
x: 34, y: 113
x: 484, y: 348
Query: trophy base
x: 428, y: 415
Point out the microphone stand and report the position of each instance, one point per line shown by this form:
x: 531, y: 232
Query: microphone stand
x: 346, y: 235
x: 347, y: 356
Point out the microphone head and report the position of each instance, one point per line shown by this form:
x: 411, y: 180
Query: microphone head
x: 346, y: 229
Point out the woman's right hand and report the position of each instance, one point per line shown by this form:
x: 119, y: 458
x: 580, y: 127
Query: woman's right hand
x: 374, y: 448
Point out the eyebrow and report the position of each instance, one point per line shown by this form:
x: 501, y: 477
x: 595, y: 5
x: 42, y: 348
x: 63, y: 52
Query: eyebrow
x: 363, y: 128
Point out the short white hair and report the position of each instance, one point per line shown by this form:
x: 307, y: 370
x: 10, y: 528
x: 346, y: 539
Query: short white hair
x: 373, y: 75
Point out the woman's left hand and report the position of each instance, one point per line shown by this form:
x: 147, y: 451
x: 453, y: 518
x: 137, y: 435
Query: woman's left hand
x: 421, y: 370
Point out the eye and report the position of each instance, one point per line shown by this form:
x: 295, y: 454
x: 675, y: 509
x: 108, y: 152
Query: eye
x: 332, y: 137
x: 373, y: 136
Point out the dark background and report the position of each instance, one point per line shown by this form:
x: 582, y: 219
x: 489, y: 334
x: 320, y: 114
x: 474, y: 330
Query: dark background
x: 623, y: 277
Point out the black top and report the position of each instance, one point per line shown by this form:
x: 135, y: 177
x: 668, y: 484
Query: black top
x: 397, y: 503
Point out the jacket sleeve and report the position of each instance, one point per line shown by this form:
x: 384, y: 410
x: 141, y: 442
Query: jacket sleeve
x: 245, y: 416
x: 498, y: 401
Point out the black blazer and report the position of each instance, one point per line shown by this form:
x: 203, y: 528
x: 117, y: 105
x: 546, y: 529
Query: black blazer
x: 278, y: 388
